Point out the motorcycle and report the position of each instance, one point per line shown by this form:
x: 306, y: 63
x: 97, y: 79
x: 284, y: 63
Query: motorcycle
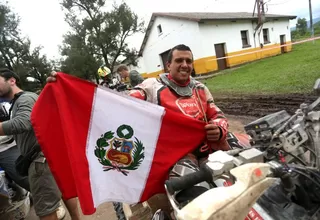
x: 116, y: 85
x: 284, y: 142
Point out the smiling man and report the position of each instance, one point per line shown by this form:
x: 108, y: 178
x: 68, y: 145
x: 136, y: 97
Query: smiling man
x: 177, y: 91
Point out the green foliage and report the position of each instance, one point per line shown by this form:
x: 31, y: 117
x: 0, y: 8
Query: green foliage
x: 16, y: 54
x: 302, y: 26
x: 97, y: 36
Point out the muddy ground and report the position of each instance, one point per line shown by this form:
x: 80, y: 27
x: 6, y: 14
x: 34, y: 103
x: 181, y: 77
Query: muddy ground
x: 106, y: 212
x: 260, y: 105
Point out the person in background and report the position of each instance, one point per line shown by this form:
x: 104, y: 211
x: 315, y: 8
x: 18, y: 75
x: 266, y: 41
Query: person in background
x: 134, y: 76
x: 31, y: 163
x: 9, y: 153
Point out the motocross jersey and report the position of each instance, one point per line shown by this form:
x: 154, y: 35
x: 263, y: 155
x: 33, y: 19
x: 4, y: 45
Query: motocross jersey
x: 192, y: 99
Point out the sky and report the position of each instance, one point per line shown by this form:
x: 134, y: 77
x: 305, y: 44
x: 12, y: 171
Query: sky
x: 43, y: 20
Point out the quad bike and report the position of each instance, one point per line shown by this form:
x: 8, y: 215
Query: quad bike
x: 220, y: 190
x: 241, y: 188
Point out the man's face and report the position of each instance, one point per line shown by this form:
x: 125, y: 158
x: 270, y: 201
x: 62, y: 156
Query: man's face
x: 5, y: 87
x: 124, y: 73
x: 180, y: 67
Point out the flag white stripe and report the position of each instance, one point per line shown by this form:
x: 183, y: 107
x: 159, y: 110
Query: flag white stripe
x: 111, y: 110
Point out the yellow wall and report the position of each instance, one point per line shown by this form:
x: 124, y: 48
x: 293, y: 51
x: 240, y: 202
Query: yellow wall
x: 209, y: 64
x: 153, y: 74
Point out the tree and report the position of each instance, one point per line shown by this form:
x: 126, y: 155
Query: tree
x: 16, y: 54
x: 99, y: 35
x: 79, y: 60
x: 302, y: 26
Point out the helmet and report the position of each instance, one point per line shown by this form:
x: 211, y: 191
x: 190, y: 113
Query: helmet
x: 103, y: 71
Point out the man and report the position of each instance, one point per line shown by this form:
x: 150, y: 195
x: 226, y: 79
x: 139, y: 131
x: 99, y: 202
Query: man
x: 104, y: 74
x: 134, y: 76
x: 177, y: 91
x: 9, y: 152
x: 31, y: 162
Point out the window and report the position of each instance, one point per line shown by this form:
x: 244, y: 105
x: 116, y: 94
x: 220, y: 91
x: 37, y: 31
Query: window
x: 266, y: 36
x: 245, y: 39
x: 159, y: 29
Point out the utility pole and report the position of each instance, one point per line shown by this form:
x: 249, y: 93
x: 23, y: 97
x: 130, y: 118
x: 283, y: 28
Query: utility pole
x: 311, y: 20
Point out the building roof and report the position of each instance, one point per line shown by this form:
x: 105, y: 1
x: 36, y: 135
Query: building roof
x: 206, y: 16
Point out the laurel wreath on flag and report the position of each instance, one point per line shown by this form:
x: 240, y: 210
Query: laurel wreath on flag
x: 103, y: 142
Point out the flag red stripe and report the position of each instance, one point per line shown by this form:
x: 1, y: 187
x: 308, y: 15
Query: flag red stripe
x: 68, y: 101
x: 63, y: 138
x: 178, y: 136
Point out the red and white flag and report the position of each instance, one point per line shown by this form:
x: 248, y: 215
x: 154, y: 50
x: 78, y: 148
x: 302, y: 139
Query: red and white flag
x: 102, y: 146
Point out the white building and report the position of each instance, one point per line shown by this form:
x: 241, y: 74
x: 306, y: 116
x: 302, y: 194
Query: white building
x: 211, y: 36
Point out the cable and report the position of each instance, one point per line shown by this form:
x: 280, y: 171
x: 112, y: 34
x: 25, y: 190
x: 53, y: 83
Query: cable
x: 280, y: 3
x: 297, y: 158
x: 307, y: 176
x: 305, y: 169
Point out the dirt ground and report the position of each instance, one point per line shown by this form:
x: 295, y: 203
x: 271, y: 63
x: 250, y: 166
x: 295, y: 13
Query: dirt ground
x: 260, y: 105
x: 106, y: 212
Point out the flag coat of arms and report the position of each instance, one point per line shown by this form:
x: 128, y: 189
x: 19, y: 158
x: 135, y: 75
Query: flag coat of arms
x: 102, y: 146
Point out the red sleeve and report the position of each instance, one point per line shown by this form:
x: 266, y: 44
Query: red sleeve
x: 215, y: 115
x: 138, y: 93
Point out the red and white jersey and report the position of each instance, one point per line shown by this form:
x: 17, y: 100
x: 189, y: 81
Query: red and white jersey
x: 194, y: 105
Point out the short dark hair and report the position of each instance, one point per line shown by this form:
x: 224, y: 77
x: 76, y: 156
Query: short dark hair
x: 180, y: 47
x: 122, y: 67
x: 7, y: 74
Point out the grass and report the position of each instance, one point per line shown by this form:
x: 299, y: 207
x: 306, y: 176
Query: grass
x: 293, y: 72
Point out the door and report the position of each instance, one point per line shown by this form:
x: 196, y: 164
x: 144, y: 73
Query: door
x: 164, y: 58
x: 283, y: 42
x: 220, y: 52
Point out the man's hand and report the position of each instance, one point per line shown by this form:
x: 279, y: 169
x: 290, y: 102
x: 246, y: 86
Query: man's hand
x: 213, y: 132
x: 52, y: 77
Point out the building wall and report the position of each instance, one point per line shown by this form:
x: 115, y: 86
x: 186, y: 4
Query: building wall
x: 174, y: 32
x: 229, y: 33
x: 201, y: 37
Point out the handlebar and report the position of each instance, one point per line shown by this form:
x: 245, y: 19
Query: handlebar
x: 206, y: 174
x: 189, y: 180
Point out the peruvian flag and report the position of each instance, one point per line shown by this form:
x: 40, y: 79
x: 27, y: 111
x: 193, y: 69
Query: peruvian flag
x: 102, y: 146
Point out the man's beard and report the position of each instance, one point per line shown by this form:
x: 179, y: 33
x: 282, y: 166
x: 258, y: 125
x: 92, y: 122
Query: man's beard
x: 7, y: 94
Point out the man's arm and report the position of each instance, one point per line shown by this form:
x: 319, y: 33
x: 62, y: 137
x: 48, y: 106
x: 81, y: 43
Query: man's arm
x: 144, y: 90
x: 21, y: 122
x: 215, y: 115
x: 138, y: 93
